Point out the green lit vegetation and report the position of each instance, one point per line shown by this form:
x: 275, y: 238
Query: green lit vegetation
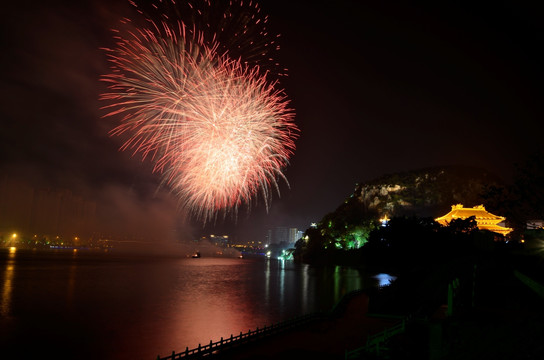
x: 344, y: 230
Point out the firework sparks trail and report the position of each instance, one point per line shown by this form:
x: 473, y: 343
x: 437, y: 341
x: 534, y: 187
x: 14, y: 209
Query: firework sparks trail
x: 216, y: 129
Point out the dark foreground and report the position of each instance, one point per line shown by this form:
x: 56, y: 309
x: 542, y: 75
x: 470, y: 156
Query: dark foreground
x: 501, y: 319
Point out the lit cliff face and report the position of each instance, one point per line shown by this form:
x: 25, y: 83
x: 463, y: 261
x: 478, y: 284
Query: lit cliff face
x: 376, y: 197
x: 425, y: 192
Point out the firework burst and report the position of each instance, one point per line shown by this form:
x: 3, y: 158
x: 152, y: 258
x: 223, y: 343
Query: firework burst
x: 238, y: 29
x: 216, y: 129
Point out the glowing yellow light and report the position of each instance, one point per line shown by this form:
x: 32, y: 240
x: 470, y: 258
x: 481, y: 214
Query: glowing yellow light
x: 12, y: 249
x: 484, y: 219
x: 14, y: 235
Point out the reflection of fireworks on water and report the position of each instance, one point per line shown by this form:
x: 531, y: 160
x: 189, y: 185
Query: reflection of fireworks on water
x: 216, y: 129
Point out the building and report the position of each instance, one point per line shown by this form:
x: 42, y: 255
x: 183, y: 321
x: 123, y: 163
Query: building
x: 535, y: 224
x: 283, y: 235
x: 484, y: 219
x: 294, y: 235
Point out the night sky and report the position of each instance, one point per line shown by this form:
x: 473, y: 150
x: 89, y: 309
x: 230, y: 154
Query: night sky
x: 377, y: 87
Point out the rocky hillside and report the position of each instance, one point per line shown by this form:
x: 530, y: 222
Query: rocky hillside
x: 425, y: 192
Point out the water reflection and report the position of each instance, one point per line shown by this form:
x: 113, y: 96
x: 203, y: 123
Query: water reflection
x: 267, y: 283
x: 304, y: 288
x: 289, y: 284
x: 384, y: 279
x: 7, y: 287
x: 215, y: 298
x: 219, y: 297
x: 72, y: 272
x: 282, y: 281
x: 169, y: 303
x: 345, y: 280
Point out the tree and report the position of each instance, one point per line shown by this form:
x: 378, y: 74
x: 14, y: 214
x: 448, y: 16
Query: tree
x: 466, y: 226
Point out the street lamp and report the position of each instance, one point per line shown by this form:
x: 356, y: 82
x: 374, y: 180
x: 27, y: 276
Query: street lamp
x: 13, y: 239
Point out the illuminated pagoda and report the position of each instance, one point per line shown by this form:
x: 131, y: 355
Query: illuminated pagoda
x: 484, y: 219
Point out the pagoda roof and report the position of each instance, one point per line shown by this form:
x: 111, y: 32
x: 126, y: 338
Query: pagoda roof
x: 479, y: 212
x: 484, y: 219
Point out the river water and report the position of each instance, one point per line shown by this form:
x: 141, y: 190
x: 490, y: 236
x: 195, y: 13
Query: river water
x: 84, y: 305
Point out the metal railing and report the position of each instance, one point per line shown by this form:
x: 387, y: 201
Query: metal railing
x: 233, y: 341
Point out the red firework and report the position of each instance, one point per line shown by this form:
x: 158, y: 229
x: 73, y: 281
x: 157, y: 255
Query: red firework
x: 217, y: 130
